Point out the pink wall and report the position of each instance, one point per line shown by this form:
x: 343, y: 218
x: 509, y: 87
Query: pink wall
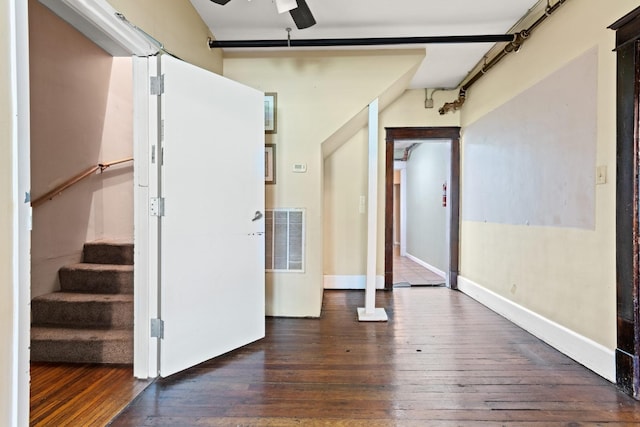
x: 81, y: 115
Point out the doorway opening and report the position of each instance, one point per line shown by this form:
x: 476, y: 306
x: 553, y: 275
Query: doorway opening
x: 81, y: 100
x: 421, y: 212
x: 627, y: 193
x: 450, y: 137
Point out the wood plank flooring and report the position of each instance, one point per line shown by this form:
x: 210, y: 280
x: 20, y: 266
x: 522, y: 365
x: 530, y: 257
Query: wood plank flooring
x: 80, y: 394
x: 441, y: 360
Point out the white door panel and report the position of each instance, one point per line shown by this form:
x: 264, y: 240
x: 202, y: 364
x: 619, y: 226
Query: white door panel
x: 212, y: 180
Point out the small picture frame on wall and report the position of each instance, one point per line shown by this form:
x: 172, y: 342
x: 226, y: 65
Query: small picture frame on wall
x: 269, y: 164
x: 270, y: 112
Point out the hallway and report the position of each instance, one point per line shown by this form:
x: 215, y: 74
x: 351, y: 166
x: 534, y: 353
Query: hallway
x: 407, y: 271
x: 442, y: 359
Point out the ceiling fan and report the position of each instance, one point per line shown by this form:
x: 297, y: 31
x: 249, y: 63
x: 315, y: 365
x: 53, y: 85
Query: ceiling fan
x: 298, y: 9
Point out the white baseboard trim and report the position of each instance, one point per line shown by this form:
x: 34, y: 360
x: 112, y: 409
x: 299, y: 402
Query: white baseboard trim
x: 583, y: 350
x: 427, y: 266
x: 350, y: 282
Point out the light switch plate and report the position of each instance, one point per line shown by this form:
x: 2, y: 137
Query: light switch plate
x: 601, y: 174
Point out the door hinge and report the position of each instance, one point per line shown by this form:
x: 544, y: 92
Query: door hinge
x: 157, y: 328
x: 156, y: 206
x: 157, y: 85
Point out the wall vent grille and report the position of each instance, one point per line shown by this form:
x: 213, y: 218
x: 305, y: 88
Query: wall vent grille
x: 284, y: 239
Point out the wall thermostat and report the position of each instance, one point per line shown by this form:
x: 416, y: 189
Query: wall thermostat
x: 300, y: 167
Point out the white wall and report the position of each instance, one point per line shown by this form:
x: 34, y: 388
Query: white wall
x: 428, y: 168
x: 543, y: 160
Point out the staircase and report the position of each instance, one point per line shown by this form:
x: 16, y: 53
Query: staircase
x: 90, y: 320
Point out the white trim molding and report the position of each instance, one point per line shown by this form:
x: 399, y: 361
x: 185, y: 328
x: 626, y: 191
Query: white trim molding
x: 105, y: 26
x: 583, y: 350
x: 14, y: 411
x: 350, y: 282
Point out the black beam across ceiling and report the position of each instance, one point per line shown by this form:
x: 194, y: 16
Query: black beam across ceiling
x: 376, y: 41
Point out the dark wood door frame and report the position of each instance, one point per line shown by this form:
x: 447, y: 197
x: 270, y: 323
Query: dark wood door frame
x: 627, y: 197
x: 448, y: 133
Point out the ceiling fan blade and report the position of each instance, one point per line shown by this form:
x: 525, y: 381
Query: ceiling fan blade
x: 221, y: 2
x: 302, y: 15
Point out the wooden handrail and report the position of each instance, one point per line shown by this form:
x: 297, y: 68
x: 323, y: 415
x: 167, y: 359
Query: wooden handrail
x: 75, y: 179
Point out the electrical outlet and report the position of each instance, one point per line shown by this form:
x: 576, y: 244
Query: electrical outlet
x: 363, y: 201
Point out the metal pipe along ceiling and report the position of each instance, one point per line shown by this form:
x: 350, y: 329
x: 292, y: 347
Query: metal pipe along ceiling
x: 376, y: 41
x: 513, y: 46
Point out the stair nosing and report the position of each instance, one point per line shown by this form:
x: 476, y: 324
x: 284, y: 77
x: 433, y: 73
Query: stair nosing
x: 85, y: 297
x: 108, y: 243
x: 91, y: 266
x: 108, y: 332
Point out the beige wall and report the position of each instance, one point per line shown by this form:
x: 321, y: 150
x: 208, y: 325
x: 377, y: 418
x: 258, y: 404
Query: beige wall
x: 318, y: 94
x: 177, y: 25
x: 345, y: 180
x: 566, y: 275
x: 81, y: 115
x: 7, y: 284
x: 111, y: 215
x: 345, y: 227
x: 409, y: 111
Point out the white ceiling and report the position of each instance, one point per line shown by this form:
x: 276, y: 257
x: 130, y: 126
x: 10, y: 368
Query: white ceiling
x: 445, y: 65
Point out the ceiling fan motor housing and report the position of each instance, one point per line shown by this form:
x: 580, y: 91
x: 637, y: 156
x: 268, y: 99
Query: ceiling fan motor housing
x: 300, y: 13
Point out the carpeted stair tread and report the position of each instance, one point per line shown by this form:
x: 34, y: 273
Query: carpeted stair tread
x: 107, y: 252
x: 83, y: 310
x: 97, y: 278
x: 73, y: 297
x: 81, y: 345
x: 72, y: 334
x: 91, y: 319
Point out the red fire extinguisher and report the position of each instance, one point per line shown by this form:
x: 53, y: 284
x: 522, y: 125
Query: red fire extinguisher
x: 444, y: 195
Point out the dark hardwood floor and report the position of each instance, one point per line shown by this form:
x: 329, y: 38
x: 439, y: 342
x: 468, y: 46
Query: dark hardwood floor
x: 80, y: 394
x: 442, y: 359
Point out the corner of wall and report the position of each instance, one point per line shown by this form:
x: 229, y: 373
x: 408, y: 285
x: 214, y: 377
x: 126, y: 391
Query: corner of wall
x: 177, y: 25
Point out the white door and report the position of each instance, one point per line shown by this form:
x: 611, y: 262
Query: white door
x: 212, y: 231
